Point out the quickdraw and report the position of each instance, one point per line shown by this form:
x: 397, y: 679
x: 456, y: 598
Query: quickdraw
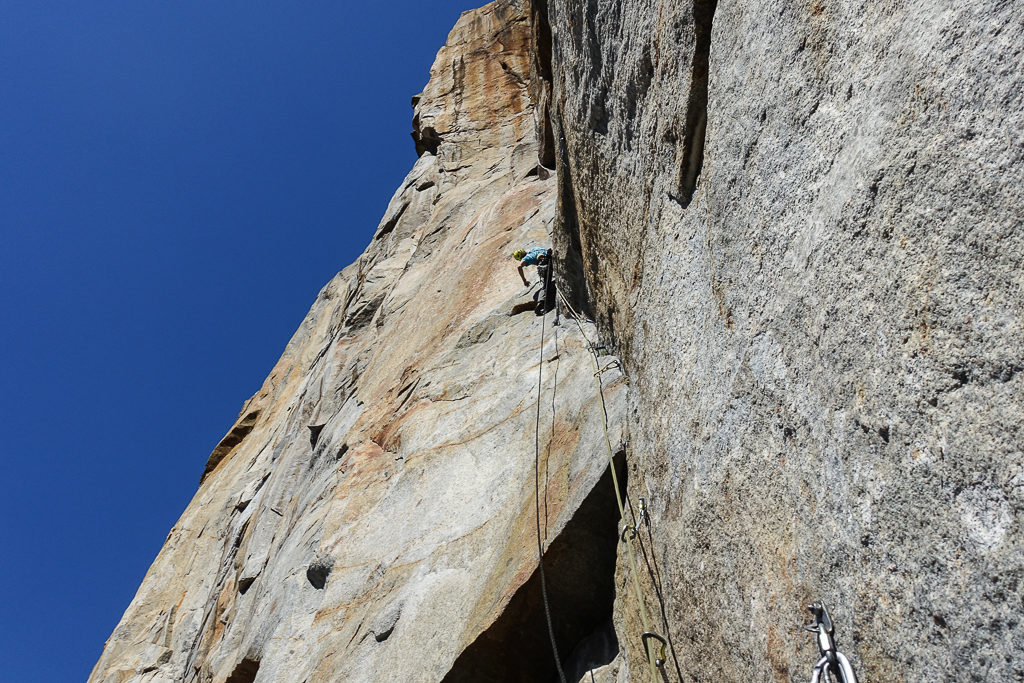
x: 833, y: 667
x: 629, y: 532
x: 614, y: 364
x: 642, y: 517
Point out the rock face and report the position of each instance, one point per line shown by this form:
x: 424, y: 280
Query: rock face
x: 799, y: 225
x: 374, y: 512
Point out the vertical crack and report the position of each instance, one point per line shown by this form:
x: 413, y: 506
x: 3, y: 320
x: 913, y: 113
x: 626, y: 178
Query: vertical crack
x: 697, y: 102
x: 541, y: 82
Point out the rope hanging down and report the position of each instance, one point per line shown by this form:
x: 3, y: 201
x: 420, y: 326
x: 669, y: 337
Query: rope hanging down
x: 654, y: 661
x: 536, y: 484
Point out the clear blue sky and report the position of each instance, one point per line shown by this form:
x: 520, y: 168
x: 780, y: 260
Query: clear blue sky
x: 178, y: 178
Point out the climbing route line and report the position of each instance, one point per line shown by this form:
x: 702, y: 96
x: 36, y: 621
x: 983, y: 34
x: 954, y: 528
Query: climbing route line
x: 536, y: 498
x: 629, y: 532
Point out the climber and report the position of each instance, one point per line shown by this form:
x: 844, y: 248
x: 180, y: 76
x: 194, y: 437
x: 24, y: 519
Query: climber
x: 540, y: 257
x: 537, y: 256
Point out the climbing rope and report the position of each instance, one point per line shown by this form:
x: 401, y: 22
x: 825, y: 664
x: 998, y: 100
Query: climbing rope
x: 536, y: 484
x: 628, y: 534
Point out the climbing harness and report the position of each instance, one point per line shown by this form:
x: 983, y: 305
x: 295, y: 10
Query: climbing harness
x: 833, y: 667
x: 629, y: 532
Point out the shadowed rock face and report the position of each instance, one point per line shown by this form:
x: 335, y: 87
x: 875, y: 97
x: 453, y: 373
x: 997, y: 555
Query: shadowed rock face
x: 373, y: 511
x: 800, y: 222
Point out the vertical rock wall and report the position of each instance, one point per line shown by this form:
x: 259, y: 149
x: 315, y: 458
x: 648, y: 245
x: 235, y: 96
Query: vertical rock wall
x: 800, y: 222
x: 373, y: 515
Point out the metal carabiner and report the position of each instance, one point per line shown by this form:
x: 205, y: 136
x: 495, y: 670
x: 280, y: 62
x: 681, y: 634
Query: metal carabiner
x: 628, y: 529
x: 832, y: 662
x: 614, y: 364
x: 642, y: 517
x: 659, y: 661
x: 845, y: 669
x: 823, y: 628
x: 818, y: 669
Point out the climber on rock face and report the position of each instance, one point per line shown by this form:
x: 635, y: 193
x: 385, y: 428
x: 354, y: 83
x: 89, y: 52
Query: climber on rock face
x: 540, y: 257
x: 537, y: 256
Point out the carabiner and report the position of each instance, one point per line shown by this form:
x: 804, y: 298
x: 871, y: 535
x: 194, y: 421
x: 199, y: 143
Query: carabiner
x: 659, y: 661
x: 642, y: 517
x: 832, y: 662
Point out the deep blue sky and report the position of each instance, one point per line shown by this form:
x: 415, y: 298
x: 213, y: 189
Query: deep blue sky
x: 178, y: 178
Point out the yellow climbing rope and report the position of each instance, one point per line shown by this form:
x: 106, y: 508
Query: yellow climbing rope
x: 627, y: 537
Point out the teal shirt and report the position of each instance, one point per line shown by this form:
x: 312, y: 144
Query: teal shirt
x: 533, y: 256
